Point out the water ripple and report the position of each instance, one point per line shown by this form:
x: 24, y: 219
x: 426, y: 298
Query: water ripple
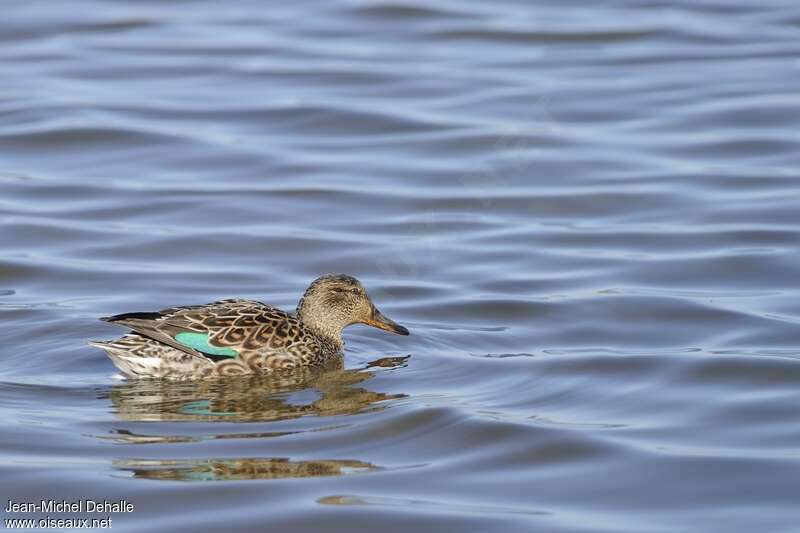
x: 585, y: 214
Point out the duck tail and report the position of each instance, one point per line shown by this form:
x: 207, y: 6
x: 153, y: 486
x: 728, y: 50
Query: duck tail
x: 129, y: 364
x: 99, y: 344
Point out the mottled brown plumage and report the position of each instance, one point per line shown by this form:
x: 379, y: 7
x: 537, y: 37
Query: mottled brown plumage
x: 239, y: 337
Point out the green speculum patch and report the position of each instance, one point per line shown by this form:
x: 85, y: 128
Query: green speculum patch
x: 199, y: 342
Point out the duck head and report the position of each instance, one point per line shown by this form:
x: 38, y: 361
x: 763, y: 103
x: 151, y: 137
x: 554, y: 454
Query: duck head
x: 335, y: 301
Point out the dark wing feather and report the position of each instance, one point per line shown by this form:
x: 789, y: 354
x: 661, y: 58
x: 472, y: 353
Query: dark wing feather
x: 237, y: 324
x: 152, y: 328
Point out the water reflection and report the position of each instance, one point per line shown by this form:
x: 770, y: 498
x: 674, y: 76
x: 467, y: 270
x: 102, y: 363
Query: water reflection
x: 350, y: 499
x: 239, y: 469
x: 330, y: 391
x: 263, y: 398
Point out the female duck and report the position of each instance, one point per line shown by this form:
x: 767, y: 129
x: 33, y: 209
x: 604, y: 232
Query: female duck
x: 236, y: 337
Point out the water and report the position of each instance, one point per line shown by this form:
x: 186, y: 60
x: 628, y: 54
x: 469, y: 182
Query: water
x: 587, y: 215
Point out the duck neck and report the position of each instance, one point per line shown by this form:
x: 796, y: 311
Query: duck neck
x: 321, y: 325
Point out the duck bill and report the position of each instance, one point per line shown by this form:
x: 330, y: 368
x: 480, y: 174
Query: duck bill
x: 380, y: 321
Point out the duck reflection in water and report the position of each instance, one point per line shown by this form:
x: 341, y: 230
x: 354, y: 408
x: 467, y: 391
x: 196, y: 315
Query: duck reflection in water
x: 240, y: 469
x: 266, y: 398
x: 257, y: 399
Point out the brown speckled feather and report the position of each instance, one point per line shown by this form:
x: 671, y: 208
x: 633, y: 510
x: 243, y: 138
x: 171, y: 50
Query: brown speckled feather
x: 237, y: 337
x: 265, y: 337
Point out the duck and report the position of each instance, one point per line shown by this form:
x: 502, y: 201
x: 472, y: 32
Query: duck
x: 239, y: 337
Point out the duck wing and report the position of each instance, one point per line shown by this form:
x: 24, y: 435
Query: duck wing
x: 219, y: 330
